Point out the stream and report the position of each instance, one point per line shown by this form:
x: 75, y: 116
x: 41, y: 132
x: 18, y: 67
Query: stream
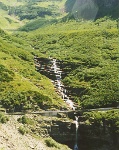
x: 76, y: 140
x: 59, y: 85
x: 63, y: 92
x: 55, y: 73
x: 90, y: 137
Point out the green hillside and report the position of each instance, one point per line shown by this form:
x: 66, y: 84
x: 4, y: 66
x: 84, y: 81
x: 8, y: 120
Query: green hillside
x: 21, y: 87
x: 89, y: 49
x: 8, y: 22
x: 15, y: 14
x: 83, y: 36
x: 27, y: 15
x: 90, y: 52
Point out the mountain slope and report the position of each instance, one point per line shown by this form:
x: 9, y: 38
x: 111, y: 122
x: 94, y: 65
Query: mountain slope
x: 12, y: 138
x: 89, y: 50
x: 21, y: 86
x: 15, y: 14
x: 34, y: 14
x: 8, y: 22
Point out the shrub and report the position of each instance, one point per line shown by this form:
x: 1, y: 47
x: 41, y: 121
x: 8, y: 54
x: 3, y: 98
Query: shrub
x: 51, y: 143
x: 22, y: 130
x: 25, y: 120
x: 3, y: 118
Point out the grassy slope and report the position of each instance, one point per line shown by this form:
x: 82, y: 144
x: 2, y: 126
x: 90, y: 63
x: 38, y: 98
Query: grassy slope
x: 93, y: 49
x: 8, y: 22
x: 91, y: 45
x: 58, y: 11
x: 27, y: 9
x: 20, y: 83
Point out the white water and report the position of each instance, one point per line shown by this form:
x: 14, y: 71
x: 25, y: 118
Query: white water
x: 77, y: 125
x: 60, y: 87
x: 55, y: 70
x: 63, y: 92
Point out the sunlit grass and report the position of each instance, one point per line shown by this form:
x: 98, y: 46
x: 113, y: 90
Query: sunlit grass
x: 12, y: 2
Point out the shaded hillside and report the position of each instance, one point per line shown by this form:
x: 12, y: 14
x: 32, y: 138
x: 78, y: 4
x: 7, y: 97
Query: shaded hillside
x: 36, y: 24
x: 92, y: 9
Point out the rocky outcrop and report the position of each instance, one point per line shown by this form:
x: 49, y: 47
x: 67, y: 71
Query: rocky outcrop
x: 34, y: 138
x: 98, y: 137
x: 63, y: 131
x: 92, y: 9
x: 94, y: 135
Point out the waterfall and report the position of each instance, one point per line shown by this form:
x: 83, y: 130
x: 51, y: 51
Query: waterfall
x: 55, y: 74
x: 60, y: 87
x: 76, y: 140
x: 51, y: 68
x: 64, y: 94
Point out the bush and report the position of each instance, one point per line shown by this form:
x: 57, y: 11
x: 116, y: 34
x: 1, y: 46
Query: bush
x: 25, y: 120
x: 51, y: 143
x: 3, y: 118
x: 22, y: 130
x: 5, y: 74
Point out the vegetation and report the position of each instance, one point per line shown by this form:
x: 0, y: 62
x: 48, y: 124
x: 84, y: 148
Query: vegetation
x: 89, y: 50
x: 16, y: 13
x: 25, y: 120
x: 83, y: 35
x: 104, y: 122
x: 22, y: 130
x: 22, y: 88
x: 51, y: 143
x: 3, y: 118
x: 29, y: 11
x: 111, y: 118
x: 35, y: 24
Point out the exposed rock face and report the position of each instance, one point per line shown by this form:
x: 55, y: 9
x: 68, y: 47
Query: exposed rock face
x: 94, y: 136
x: 98, y: 137
x: 92, y: 9
x: 63, y: 131
x: 12, y: 139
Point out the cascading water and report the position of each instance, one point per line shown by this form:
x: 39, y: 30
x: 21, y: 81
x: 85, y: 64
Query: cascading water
x: 76, y: 144
x: 60, y: 87
x: 63, y: 93
x: 55, y: 73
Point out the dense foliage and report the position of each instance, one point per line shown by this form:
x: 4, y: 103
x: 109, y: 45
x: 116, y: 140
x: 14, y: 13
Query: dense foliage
x: 21, y: 87
x: 109, y: 119
x: 29, y: 11
x: 35, y: 24
x: 103, y: 122
x: 89, y: 50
